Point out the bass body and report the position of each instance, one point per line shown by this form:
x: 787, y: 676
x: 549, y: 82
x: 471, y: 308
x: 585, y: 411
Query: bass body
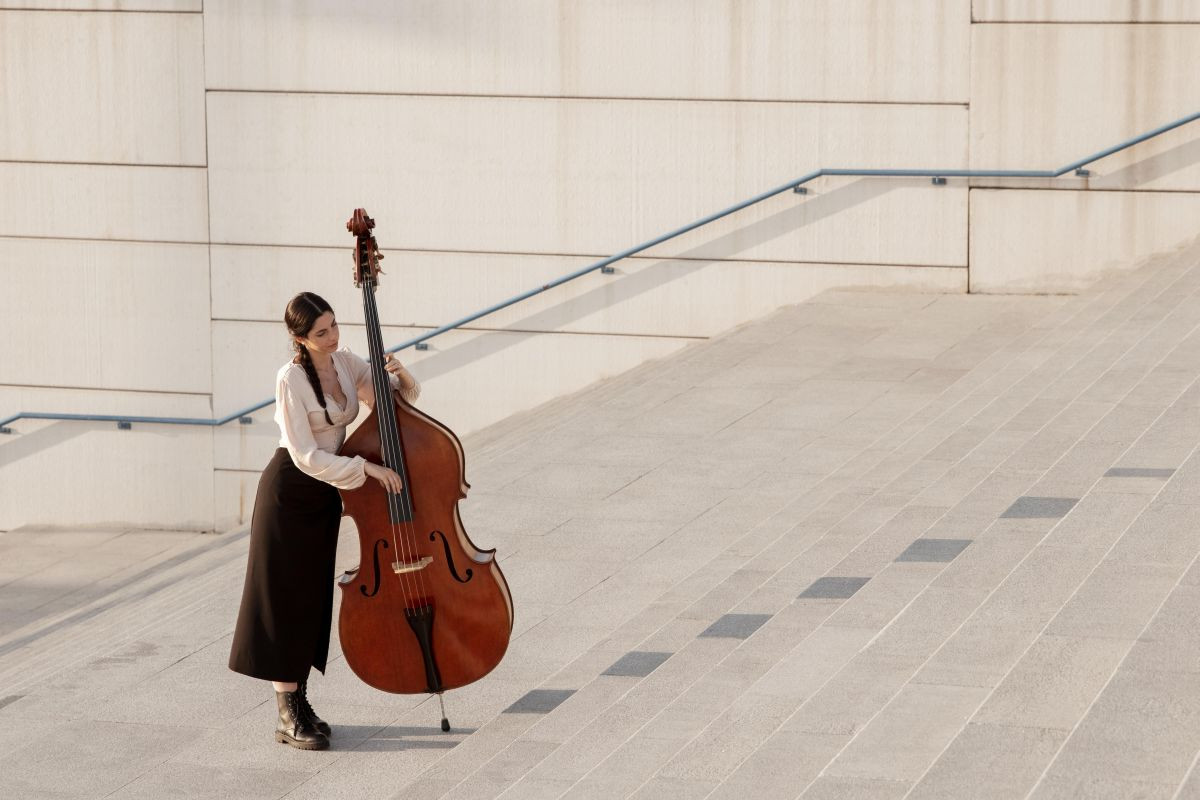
x: 434, y: 577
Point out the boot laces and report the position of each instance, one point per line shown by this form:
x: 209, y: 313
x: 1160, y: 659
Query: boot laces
x: 305, y: 707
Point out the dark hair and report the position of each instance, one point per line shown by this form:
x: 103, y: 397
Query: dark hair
x: 299, y: 317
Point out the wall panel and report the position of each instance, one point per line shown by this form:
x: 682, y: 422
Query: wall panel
x: 843, y: 50
x: 584, y: 177
x: 118, y: 315
x: 1026, y: 241
x: 644, y: 296
x: 1044, y: 96
x: 1086, y: 11
x: 165, y: 6
x: 101, y: 87
x: 90, y: 474
x: 157, y: 204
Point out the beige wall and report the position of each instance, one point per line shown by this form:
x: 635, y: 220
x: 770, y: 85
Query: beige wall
x: 1086, y: 11
x: 839, y: 50
x: 182, y: 168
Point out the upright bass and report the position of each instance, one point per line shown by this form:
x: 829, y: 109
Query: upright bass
x: 425, y: 610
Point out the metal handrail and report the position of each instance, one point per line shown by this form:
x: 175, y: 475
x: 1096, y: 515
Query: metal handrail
x: 797, y: 185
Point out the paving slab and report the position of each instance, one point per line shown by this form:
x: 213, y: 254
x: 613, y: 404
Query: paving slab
x: 637, y: 664
x: 927, y: 622
x: 909, y: 733
x: 934, y: 550
x: 839, y: 587
x: 211, y: 783
x: 1031, y: 507
x: 1037, y: 588
x: 830, y: 787
x: 1054, y: 683
x: 1117, y: 600
x: 1007, y: 760
x: 784, y: 764
x: 1144, y: 728
x: 1171, y: 642
x: 1164, y: 533
x: 852, y: 696
x: 99, y: 765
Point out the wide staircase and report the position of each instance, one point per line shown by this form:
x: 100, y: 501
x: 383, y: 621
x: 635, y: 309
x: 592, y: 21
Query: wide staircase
x: 872, y: 546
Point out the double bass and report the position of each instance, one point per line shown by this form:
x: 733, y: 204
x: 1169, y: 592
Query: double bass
x: 425, y: 610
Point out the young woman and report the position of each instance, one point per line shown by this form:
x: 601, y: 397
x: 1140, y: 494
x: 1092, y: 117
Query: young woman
x: 287, y: 603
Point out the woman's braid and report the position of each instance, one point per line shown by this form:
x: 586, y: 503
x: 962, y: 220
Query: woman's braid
x: 305, y: 360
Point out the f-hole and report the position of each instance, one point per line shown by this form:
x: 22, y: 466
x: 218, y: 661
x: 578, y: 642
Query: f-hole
x: 375, y: 560
x: 450, y: 558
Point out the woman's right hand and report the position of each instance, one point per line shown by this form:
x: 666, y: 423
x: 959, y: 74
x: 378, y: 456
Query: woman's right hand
x: 388, y: 479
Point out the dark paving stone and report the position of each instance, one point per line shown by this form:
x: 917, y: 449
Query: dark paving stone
x: 833, y: 587
x: 736, y: 626
x: 12, y: 698
x: 1040, y: 508
x: 936, y: 550
x: 539, y: 701
x: 637, y: 663
x: 1138, y: 472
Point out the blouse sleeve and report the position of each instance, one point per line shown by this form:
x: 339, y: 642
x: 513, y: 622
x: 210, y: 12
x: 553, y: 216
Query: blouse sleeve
x: 340, y: 471
x: 361, y: 371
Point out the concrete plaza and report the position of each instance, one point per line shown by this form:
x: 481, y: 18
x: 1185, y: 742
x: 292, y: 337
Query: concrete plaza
x: 877, y: 545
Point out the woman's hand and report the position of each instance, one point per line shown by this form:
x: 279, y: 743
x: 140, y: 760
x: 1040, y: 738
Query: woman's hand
x: 388, y: 479
x: 392, y: 365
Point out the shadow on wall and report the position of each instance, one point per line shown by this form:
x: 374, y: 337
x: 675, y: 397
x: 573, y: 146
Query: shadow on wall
x: 14, y: 447
x: 663, y: 272
x: 1152, y: 168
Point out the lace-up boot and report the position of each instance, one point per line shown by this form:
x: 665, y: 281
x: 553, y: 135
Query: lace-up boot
x: 316, y: 721
x: 295, y: 728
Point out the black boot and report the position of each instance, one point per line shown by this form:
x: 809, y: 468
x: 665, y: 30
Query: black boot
x: 294, y: 726
x: 316, y: 721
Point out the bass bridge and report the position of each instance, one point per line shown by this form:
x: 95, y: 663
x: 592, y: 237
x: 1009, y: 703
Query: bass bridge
x: 401, y: 567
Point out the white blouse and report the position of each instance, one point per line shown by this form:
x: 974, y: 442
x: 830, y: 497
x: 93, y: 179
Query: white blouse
x: 313, y: 442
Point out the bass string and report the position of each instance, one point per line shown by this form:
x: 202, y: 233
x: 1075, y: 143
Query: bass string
x: 407, y: 524
x: 408, y: 518
x: 375, y: 346
x: 386, y: 409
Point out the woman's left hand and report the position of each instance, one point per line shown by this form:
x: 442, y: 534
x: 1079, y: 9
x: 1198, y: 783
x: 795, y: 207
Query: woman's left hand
x: 392, y: 365
x: 403, y: 377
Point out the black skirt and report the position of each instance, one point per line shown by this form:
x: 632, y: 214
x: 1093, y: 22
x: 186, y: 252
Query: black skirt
x: 287, y: 604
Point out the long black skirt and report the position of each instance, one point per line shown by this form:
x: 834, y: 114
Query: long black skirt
x: 287, y: 603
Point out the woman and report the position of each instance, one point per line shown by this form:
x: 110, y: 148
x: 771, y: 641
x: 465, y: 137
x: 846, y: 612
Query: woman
x: 287, y: 604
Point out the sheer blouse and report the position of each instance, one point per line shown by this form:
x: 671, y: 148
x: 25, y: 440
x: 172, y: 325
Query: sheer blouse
x: 312, y: 442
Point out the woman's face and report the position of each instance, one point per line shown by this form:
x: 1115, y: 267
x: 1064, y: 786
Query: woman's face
x: 323, y: 337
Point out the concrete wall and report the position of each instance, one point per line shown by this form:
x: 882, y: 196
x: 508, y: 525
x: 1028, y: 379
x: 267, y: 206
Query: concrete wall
x: 175, y: 171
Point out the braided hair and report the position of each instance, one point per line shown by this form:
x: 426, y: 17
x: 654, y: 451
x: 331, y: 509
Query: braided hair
x: 299, y: 317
